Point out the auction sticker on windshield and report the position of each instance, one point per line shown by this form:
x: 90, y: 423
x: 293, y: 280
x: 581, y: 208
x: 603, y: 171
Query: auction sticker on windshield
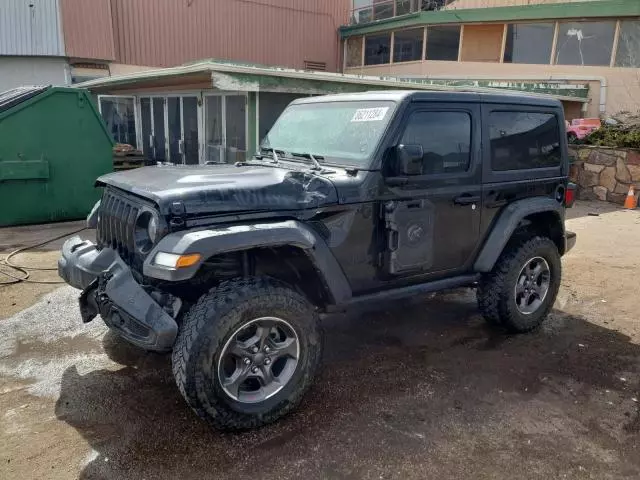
x: 370, y: 114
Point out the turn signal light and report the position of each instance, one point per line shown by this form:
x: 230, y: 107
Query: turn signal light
x: 187, y: 260
x: 171, y: 260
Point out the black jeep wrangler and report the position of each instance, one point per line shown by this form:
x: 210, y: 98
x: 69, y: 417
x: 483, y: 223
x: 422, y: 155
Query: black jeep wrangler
x: 352, y: 199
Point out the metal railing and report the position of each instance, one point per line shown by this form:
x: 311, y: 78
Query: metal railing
x: 381, y: 9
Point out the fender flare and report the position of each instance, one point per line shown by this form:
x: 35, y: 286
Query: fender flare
x: 235, y: 238
x: 507, y: 223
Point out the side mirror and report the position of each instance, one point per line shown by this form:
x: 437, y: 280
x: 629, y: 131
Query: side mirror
x: 409, y: 160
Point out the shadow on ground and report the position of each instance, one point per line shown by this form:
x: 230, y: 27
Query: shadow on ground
x: 426, y: 391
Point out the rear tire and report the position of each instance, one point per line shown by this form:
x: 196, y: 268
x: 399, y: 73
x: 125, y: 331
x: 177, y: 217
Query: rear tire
x: 220, y: 356
x: 522, y: 287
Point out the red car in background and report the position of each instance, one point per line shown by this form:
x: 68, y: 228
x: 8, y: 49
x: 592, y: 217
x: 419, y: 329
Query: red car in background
x: 581, y: 127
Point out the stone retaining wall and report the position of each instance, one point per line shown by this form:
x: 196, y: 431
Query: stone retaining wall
x: 604, y: 173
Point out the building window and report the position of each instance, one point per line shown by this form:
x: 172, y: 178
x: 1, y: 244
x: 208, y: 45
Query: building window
x: 443, y: 43
x: 382, y: 9
x: 445, y: 138
x: 522, y: 37
x: 354, y: 52
x: 482, y: 43
x: 119, y: 115
x: 585, y: 43
x: 377, y: 49
x: 407, y: 45
x: 628, y: 54
x: 403, y: 7
x: 524, y: 140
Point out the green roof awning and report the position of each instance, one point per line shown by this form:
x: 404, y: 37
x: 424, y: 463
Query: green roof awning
x: 556, y: 11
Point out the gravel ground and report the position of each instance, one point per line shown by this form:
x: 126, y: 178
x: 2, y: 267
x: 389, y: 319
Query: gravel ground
x: 419, y: 389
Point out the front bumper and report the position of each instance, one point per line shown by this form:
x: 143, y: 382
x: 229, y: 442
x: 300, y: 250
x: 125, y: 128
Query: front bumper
x: 109, y: 288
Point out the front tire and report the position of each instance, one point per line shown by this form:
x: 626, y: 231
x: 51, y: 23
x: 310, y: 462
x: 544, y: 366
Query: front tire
x: 522, y: 287
x: 246, y: 353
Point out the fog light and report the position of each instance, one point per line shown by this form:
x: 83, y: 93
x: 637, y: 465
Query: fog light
x: 171, y: 260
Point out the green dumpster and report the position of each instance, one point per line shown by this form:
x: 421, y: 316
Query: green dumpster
x: 53, y: 145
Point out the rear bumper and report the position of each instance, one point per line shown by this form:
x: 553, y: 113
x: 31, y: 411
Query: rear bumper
x: 109, y: 289
x: 569, y: 241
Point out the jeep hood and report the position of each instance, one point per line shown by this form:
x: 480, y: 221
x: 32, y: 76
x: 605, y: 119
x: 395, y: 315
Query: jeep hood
x: 217, y: 189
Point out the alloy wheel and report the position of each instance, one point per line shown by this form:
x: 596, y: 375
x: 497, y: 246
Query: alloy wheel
x: 532, y: 285
x: 259, y: 359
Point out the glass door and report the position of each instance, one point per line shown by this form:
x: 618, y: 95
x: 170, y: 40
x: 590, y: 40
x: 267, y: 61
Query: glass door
x: 175, y: 130
x: 159, y: 136
x: 214, y: 119
x: 236, y: 128
x: 190, y: 137
x: 147, y: 127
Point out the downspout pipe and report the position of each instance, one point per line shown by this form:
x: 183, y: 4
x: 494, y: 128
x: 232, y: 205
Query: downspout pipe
x: 582, y: 78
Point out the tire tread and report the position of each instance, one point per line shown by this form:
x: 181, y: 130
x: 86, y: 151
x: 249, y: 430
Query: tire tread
x: 494, y: 294
x: 210, y: 319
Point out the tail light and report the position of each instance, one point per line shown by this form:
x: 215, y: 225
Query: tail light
x: 570, y: 195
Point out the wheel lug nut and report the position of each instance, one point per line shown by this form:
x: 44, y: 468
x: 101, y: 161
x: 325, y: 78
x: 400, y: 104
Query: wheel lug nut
x: 247, y: 361
x: 254, y: 370
x: 266, y: 349
x: 267, y: 361
x: 254, y: 349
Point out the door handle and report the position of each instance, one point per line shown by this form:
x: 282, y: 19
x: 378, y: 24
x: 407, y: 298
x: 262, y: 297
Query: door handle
x: 466, y: 199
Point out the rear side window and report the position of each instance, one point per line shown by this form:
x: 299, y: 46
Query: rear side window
x: 445, y: 138
x: 524, y: 140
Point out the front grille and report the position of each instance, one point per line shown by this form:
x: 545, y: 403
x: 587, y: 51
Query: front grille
x: 116, y: 224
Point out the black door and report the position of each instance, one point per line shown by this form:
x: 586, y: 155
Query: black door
x: 432, y: 217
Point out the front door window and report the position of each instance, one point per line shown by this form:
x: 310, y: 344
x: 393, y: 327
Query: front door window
x: 434, y: 223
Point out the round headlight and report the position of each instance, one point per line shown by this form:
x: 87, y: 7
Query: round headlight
x: 143, y: 231
x: 152, y: 229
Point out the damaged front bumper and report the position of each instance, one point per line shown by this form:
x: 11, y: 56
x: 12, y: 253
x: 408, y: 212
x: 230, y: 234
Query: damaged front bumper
x: 109, y: 289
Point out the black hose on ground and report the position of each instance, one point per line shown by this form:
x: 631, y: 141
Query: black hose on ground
x: 25, y: 270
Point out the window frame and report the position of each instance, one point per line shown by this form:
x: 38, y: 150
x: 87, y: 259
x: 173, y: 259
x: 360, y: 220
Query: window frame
x: 422, y: 44
x: 364, y: 49
x: 498, y: 176
x: 616, y: 50
x: 614, y: 38
x: 473, y: 110
x: 136, y: 116
x: 459, y: 26
x: 554, y: 27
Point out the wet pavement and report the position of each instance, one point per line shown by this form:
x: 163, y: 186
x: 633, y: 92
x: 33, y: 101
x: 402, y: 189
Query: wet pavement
x: 418, y: 389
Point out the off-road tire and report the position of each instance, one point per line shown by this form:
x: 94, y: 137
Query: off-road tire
x: 496, y: 290
x: 209, y: 324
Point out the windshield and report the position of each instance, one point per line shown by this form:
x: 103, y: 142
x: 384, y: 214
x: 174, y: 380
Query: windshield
x: 335, y: 132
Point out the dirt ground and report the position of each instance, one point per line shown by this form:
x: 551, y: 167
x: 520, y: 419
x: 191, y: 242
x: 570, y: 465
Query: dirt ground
x: 419, y: 389
x: 18, y: 296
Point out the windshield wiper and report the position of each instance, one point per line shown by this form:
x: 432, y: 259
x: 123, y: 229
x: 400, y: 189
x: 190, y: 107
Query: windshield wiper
x: 316, y: 163
x: 273, y: 152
